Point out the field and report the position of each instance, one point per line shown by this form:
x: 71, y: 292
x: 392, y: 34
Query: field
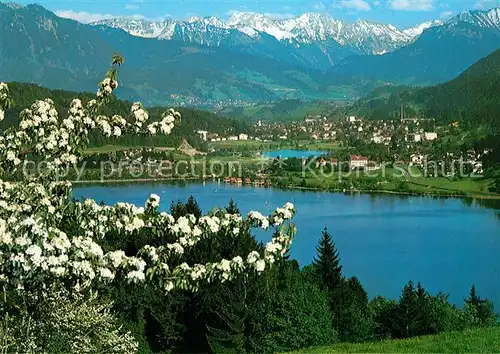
x: 472, y: 341
x: 244, y: 144
x: 106, y: 149
x: 274, y: 145
x: 390, y: 179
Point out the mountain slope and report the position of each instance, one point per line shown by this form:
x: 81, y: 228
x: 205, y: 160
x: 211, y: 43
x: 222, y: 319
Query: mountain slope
x: 192, y: 120
x: 39, y: 47
x: 438, y: 55
x: 473, y: 98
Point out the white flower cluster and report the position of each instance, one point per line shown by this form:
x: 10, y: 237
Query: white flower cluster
x: 36, y: 246
x: 153, y: 202
x: 258, y: 219
x: 45, y: 236
x: 282, y: 214
x: 140, y: 115
x: 106, y: 87
x: 166, y: 125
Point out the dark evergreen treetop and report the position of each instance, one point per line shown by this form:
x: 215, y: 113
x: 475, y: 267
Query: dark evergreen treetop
x: 327, y: 262
x: 232, y: 207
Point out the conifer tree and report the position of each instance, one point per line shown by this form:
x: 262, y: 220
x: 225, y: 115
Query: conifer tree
x: 481, y: 309
x: 474, y: 299
x: 232, y: 207
x: 351, y: 315
x: 327, y: 267
x: 406, y: 318
x: 192, y: 207
x: 179, y: 208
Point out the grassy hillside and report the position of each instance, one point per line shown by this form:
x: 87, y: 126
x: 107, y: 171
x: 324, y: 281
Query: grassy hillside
x: 472, y: 341
x: 282, y: 110
x: 192, y: 120
x: 472, y: 98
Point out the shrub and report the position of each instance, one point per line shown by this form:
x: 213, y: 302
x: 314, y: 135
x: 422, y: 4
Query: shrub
x: 61, y: 323
x: 299, y: 315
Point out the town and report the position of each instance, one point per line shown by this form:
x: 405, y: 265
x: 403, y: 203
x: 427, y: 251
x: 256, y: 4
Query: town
x: 365, y: 144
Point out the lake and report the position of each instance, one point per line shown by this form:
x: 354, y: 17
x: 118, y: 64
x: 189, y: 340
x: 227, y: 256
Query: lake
x: 385, y: 241
x: 285, y: 154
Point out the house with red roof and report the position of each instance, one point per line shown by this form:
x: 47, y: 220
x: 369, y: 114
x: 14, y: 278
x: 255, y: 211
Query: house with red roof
x: 358, y: 161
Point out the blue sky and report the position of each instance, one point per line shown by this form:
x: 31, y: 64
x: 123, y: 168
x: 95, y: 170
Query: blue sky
x: 401, y: 13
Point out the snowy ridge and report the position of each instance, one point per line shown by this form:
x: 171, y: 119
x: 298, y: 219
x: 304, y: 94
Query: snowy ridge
x: 361, y: 37
x: 487, y: 19
x: 416, y: 31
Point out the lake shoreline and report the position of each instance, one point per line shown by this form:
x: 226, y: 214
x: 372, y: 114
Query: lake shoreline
x: 289, y: 187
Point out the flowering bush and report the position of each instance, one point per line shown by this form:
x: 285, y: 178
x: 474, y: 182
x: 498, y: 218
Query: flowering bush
x: 65, y: 323
x: 47, y: 238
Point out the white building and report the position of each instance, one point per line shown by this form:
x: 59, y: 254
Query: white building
x: 243, y: 137
x: 358, y: 161
x: 203, y: 134
x: 232, y: 138
x: 430, y: 136
x: 416, y: 160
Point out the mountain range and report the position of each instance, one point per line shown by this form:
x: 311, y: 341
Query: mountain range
x: 249, y: 58
x: 440, y: 53
x: 361, y: 37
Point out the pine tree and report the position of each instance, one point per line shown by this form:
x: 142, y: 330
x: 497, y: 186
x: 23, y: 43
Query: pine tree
x: 474, y: 299
x: 350, y: 311
x: 179, y: 208
x: 481, y: 309
x: 406, y: 318
x: 192, y: 207
x: 327, y: 265
x: 232, y: 207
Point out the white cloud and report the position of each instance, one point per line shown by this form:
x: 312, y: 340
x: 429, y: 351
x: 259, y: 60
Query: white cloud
x: 87, y: 17
x: 446, y: 15
x: 411, y: 5
x: 486, y: 4
x: 376, y: 3
x: 131, y: 7
x: 359, y: 5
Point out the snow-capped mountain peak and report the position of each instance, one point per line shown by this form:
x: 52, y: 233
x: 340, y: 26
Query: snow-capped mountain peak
x: 488, y: 18
x: 139, y: 28
x: 417, y: 30
x: 248, y: 21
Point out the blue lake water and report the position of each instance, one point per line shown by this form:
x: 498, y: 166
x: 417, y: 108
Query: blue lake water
x: 285, y: 154
x: 447, y: 244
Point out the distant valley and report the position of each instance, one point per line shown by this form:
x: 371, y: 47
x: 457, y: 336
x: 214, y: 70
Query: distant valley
x: 247, y: 60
